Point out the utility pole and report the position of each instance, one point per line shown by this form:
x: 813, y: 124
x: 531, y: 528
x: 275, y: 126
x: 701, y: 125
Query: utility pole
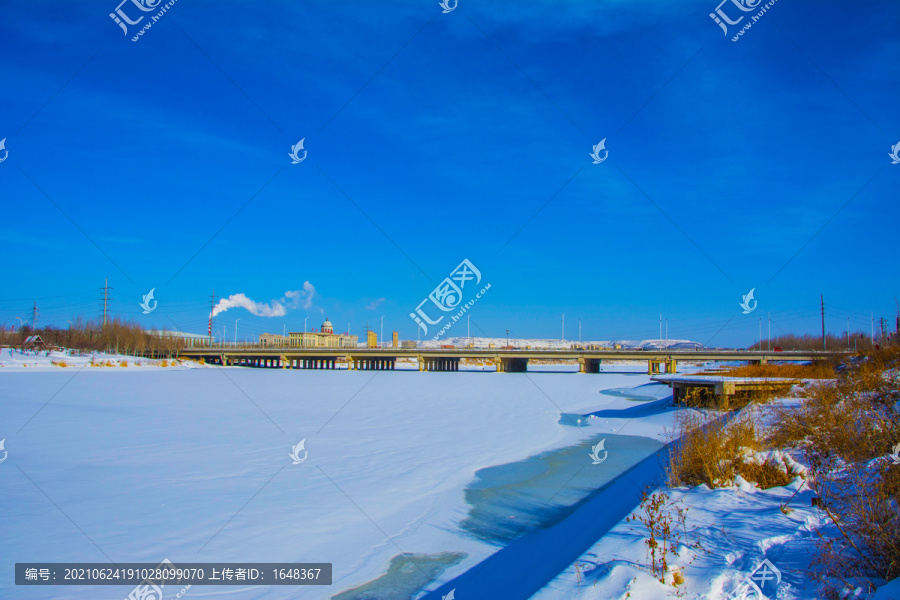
x: 563, y: 338
x: 667, y: 333
x: 507, y: 338
x: 212, y: 308
x: 848, y: 333
x: 760, y: 333
x: 381, y: 337
x: 235, y: 330
x: 34, y: 312
x: 824, y: 343
x: 660, y: 326
x: 769, y: 338
x: 105, y: 300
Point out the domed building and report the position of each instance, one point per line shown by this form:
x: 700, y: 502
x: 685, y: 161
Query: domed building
x: 323, y: 338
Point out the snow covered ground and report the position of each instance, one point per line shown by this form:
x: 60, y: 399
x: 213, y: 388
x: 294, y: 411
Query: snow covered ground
x: 191, y: 463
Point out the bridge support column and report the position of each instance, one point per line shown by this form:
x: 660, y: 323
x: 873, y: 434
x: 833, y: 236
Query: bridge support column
x: 513, y: 365
x: 420, y: 360
x: 588, y: 365
x: 283, y: 362
x: 654, y: 366
x: 671, y: 365
x: 724, y: 389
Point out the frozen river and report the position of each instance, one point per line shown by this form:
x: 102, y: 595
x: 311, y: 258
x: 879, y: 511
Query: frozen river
x: 411, y: 479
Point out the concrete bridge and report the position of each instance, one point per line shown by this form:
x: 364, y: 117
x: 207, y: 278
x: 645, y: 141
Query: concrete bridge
x: 504, y: 361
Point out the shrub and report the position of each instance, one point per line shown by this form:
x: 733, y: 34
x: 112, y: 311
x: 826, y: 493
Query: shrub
x: 666, y: 524
x: 845, y: 428
x: 714, y: 451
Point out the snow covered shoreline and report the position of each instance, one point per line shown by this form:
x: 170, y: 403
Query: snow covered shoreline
x: 192, y: 463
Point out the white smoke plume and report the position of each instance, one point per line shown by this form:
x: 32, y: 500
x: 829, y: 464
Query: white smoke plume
x: 276, y: 308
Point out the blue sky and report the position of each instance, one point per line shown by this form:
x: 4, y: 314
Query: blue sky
x: 431, y: 138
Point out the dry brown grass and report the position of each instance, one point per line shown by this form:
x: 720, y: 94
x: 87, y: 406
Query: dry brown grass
x: 713, y: 450
x: 845, y: 428
x: 816, y: 370
x: 851, y: 419
x: 704, y: 398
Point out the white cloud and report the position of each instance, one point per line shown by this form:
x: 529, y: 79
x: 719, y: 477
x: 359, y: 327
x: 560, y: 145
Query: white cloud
x: 375, y: 304
x: 292, y: 299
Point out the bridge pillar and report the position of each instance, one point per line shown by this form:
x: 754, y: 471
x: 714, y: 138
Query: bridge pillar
x: 724, y: 388
x: 671, y: 365
x: 420, y: 361
x: 513, y: 365
x: 588, y: 365
x: 282, y: 362
x: 654, y: 366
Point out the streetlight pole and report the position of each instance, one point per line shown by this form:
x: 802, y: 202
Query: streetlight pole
x: 381, y: 337
x: 563, y: 338
x: 507, y: 338
x: 235, y: 330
